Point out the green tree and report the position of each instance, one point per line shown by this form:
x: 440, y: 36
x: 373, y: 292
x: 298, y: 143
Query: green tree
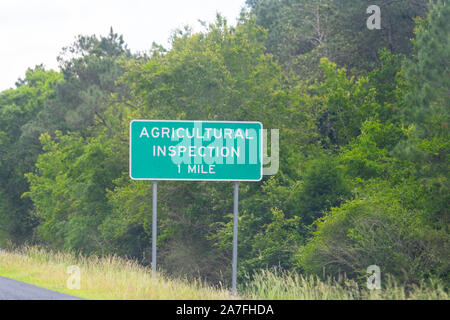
x: 69, y: 190
x: 19, y: 148
x: 90, y: 67
x: 323, y: 186
x: 300, y: 32
x: 341, y: 104
x: 399, y: 169
x: 376, y: 228
x: 428, y: 111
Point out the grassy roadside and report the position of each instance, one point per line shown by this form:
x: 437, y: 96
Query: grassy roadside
x: 101, y: 278
x: 291, y: 286
x: 116, y: 278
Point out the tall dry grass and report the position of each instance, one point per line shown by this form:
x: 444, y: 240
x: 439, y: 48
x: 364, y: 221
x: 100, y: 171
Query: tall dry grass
x: 112, y: 277
x: 108, y: 277
x: 273, y: 285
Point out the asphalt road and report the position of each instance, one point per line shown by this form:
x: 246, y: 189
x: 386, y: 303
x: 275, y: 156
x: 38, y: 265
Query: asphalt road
x: 16, y: 290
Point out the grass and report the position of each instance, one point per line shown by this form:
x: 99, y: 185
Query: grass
x: 101, y: 278
x: 116, y: 278
x: 272, y: 285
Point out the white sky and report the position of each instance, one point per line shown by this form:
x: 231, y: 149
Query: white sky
x: 35, y: 31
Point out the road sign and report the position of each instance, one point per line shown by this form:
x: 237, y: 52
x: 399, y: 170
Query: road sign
x: 195, y: 150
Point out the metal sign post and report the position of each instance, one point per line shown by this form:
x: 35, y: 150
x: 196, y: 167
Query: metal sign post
x: 154, y: 231
x: 235, y: 236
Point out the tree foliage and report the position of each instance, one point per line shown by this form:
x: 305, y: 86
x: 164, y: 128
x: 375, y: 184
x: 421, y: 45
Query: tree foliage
x: 300, y: 32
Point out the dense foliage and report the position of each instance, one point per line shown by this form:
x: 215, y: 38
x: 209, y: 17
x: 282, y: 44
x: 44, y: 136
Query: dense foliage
x: 364, y: 143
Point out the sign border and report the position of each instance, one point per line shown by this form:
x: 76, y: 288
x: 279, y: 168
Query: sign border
x: 207, y: 121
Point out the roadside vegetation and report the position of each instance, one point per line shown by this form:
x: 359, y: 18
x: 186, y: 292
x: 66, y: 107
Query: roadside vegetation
x: 112, y: 277
x: 109, y: 277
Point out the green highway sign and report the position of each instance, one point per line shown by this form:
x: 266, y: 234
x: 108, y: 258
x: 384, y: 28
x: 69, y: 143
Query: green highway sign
x: 196, y: 150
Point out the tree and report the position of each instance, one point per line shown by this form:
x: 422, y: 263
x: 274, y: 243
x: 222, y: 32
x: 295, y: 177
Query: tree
x: 376, y: 228
x: 19, y: 148
x: 90, y: 67
x: 399, y: 167
x: 323, y: 186
x: 301, y: 32
x: 69, y: 190
x: 428, y: 110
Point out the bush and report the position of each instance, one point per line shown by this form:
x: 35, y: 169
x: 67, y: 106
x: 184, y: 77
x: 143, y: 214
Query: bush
x: 376, y: 230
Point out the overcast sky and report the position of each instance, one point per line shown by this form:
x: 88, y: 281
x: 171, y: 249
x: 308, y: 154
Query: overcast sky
x: 34, y: 31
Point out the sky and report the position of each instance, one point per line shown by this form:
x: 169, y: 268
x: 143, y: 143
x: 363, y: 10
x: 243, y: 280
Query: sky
x: 34, y: 31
